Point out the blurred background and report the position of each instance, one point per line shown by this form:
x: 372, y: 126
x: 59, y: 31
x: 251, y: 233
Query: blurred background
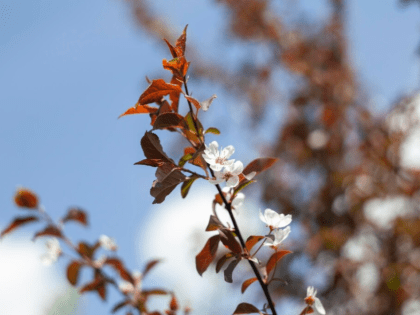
x: 329, y: 87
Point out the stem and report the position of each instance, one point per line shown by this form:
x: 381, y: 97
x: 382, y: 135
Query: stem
x: 192, y: 172
x: 228, y: 207
x: 191, y: 110
x: 261, y: 245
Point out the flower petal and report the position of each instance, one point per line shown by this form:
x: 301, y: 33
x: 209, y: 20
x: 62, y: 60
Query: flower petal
x: 309, y: 291
x: 208, y: 159
x: 271, y: 217
x: 236, y: 168
x: 319, y: 307
x: 238, y: 200
x: 216, y: 166
x: 250, y: 175
x: 232, y: 181
x: 262, y: 217
x: 284, y: 220
x: 227, y: 152
x: 229, y: 162
x: 215, y: 181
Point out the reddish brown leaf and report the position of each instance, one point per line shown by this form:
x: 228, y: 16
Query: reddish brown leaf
x: 120, y: 305
x: 118, y: 265
x: 50, y: 230
x: 152, y: 148
x: 156, y: 90
x: 222, y: 261
x: 230, y: 241
x: 164, y: 107
x: 247, y: 283
x: 178, y: 66
x: 87, y: 250
x: 252, y: 240
x: 77, y: 215
x: 102, y: 291
x: 274, y: 259
x: 180, y: 43
x: 174, y: 96
x: 171, y: 48
x: 193, y: 101
x: 214, y: 224
x: 196, y: 158
x: 139, y: 109
x: 192, y: 137
x: 246, y: 308
x: 167, y: 179
x: 73, y: 271
x: 149, y: 266
x: 98, y: 285
x: 207, y: 254
x: 259, y: 165
x: 173, y: 305
x: 154, y: 292
x: 26, y: 199
x: 229, y: 270
x: 307, y: 310
x: 169, y: 120
x: 151, y: 162
x: 218, y: 199
x: 17, y: 222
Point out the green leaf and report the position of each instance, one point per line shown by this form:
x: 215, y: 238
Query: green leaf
x: 185, y: 159
x: 190, y: 123
x: 241, y: 186
x: 185, y: 188
x: 213, y: 131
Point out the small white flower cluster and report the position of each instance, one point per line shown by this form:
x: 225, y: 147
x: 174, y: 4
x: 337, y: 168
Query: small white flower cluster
x: 311, y: 299
x: 107, y: 243
x: 275, y: 222
x: 225, y: 170
x: 130, y: 288
x: 53, y: 252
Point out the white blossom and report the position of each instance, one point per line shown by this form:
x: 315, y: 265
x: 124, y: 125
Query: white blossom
x: 98, y: 263
x: 128, y: 287
x: 275, y: 220
x: 279, y: 236
x: 218, y: 159
x: 311, y: 299
x: 237, y: 201
x: 230, y: 174
x: 107, y: 243
x: 53, y: 252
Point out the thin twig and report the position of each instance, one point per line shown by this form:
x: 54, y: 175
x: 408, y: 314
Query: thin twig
x: 228, y: 207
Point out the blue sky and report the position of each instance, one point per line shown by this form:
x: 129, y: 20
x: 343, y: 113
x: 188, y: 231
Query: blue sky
x: 69, y: 68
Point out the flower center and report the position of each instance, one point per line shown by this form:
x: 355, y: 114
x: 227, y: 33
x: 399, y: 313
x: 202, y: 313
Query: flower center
x: 220, y: 160
x: 309, y: 300
x: 227, y: 176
